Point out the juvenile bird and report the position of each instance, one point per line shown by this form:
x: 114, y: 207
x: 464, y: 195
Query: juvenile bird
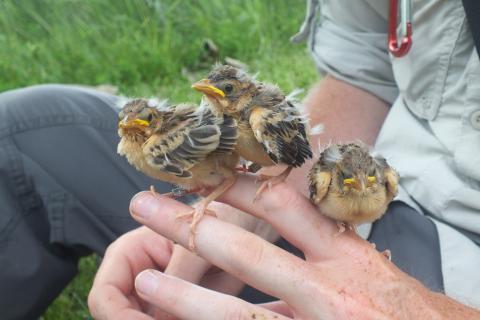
x: 185, y: 145
x: 271, y: 128
x: 350, y: 185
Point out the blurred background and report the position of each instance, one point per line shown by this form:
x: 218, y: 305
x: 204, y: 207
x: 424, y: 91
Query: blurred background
x: 145, y: 48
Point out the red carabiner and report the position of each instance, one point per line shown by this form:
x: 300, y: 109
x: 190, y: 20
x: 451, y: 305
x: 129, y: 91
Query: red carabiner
x: 402, y: 48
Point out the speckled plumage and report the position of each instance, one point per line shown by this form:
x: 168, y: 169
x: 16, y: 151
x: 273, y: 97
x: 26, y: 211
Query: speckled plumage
x: 271, y: 128
x: 185, y: 145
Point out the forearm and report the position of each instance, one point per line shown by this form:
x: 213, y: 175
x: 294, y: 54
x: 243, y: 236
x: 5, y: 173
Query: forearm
x: 346, y: 112
x: 417, y: 302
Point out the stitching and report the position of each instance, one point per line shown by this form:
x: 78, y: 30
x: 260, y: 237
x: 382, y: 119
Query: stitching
x: 22, y: 189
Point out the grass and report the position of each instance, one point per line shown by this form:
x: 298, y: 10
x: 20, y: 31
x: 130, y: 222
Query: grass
x: 145, y: 47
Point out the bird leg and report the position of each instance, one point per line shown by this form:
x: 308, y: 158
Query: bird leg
x: 177, y: 192
x: 387, y: 254
x: 252, y: 168
x: 201, y: 209
x: 152, y: 190
x: 269, y: 181
x: 342, y: 227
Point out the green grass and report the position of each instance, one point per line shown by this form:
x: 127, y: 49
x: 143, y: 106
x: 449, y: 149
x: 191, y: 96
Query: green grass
x: 142, y: 46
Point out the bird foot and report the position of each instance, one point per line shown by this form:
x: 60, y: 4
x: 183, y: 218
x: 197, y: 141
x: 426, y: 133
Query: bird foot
x: 152, y: 190
x: 342, y: 226
x: 252, y: 168
x: 196, y: 215
x: 268, y: 182
x: 387, y: 254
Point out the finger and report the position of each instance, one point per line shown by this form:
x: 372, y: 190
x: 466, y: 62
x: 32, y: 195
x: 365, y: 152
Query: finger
x: 289, y: 212
x: 131, y: 253
x: 238, y: 252
x: 112, y: 292
x: 188, y: 301
x: 187, y: 265
x: 278, y: 307
x: 223, y: 282
x: 108, y: 302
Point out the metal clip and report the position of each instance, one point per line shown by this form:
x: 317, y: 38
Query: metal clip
x: 400, y: 48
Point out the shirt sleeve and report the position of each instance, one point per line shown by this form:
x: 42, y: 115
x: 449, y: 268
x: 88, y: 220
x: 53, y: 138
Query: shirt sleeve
x: 350, y: 43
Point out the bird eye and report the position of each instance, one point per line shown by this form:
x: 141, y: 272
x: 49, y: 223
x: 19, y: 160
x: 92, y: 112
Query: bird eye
x: 228, y: 88
x: 150, y: 117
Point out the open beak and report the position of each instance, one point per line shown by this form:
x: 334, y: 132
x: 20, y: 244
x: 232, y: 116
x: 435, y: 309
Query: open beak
x: 205, y: 87
x: 125, y: 123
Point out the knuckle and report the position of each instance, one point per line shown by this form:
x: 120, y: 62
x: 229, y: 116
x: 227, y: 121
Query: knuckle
x: 112, y: 248
x: 123, y: 243
x: 283, y: 196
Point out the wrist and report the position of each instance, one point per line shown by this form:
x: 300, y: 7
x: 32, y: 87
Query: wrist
x: 418, y: 302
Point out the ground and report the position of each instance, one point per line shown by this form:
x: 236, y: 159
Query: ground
x: 145, y: 48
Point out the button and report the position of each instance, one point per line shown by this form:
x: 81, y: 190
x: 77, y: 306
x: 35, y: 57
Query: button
x: 475, y: 119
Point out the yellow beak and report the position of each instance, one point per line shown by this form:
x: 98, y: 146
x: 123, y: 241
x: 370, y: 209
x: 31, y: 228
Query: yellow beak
x: 125, y: 124
x: 205, y: 87
x: 356, y: 183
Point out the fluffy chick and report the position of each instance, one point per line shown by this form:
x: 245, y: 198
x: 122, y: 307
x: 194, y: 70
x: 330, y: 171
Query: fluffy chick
x: 350, y: 185
x: 185, y: 145
x: 271, y: 128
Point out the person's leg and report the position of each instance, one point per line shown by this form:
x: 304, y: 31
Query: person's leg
x: 438, y: 255
x: 413, y: 240
x: 64, y: 190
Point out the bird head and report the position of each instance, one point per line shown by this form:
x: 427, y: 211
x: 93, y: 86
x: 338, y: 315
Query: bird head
x: 139, y: 118
x: 358, y: 172
x: 228, y: 88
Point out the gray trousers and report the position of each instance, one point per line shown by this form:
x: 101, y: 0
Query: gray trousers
x: 64, y: 193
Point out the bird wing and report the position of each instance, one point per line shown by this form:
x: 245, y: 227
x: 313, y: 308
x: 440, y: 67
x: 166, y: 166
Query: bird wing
x: 228, y: 134
x: 282, y: 132
x: 319, y: 182
x: 391, y: 177
x: 186, y: 143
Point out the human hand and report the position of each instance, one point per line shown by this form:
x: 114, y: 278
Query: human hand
x: 343, y: 277
x: 113, y: 294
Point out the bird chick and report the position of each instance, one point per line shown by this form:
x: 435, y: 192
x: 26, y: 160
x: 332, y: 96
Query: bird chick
x: 350, y: 185
x: 185, y: 145
x: 271, y: 128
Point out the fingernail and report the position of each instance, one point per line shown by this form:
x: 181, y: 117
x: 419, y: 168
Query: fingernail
x: 147, y: 282
x: 143, y: 204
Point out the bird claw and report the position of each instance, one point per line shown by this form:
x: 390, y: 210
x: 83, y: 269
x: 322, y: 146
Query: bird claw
x: 152, y: 190
x: 342, y: 226
x: 387, y: 254
x: 268, y: 182
x: 196, y: 215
